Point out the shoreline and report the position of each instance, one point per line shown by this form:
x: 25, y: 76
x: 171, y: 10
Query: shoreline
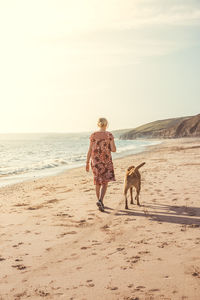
x: 56, y: 244
x: 52, y: 172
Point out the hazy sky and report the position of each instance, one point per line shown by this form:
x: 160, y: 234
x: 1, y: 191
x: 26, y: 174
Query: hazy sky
x: 64, y: 63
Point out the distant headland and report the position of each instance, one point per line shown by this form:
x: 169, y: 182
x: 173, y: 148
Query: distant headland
x: 168, y: 128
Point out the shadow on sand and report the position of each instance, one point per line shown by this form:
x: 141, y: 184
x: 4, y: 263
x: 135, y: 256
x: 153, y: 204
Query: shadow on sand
x: 162, y: 213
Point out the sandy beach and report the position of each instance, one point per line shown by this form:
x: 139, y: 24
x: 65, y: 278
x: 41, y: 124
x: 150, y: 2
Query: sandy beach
x: 55, y: 244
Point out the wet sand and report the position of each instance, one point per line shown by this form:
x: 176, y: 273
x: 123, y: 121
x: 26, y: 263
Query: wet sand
x: 55, y: 244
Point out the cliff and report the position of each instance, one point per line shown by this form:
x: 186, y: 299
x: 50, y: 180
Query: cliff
x: 169, y: 128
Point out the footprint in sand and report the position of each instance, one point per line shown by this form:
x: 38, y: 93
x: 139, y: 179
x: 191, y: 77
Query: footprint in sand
x: 90, y: 283
x: 20, y: 204
x: 19, y: 295
x: 112, y: 288
x: 18, y: 259
x: 48, y: 249
x: 120, y: 249
x: 84, y: 248
x: 17, y: 245
x: 154, y: 290
x: 2, y: 258
x: 140, y: 287
x: 131, y: 298
x: 82, y: 221
x: 105, y: 227
x: 196, y: 274
x: 133, y: 260
x: 35, y: 207
x: 39, y: 187
x: 19, y: 267
x: 27, y: 231
x: 74, y: 254
x: 52, y: 201
x: 144, y: 252
x: 68, y: 232
x: 42, y: 293
x: 129, y: 219
x: 66, y: 191
x: 61, y: 214
x: 96, y: 243
x: 87, y: 190
x: 163, y: 245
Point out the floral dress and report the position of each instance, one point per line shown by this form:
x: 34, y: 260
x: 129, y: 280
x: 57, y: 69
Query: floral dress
x: 101, y: 159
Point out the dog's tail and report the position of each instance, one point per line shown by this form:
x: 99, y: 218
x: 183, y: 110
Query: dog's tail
x: 139, y: 166
x: 131, y: 170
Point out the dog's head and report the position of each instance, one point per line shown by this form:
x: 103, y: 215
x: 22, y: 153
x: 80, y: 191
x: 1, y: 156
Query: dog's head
x: 130, y: 170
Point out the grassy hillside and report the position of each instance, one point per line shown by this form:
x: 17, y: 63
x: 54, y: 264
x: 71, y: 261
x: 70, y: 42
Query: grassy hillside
x: 152, y: 129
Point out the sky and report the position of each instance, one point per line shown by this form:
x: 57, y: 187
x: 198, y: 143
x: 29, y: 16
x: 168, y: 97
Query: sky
x: 65, y: 63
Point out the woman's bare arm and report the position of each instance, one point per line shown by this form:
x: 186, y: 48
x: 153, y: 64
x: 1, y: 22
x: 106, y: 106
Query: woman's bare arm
x: 88, y: 158
x: 112, y: 146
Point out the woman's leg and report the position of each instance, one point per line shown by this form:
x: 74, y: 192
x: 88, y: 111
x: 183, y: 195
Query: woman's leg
x: 98, y: 192
x: 103, y: 190
x: 98, y: 186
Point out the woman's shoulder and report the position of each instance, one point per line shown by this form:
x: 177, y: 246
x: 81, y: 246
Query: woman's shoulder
x: 101, y: 134
x: 94, y: 135
x: 110, y: 135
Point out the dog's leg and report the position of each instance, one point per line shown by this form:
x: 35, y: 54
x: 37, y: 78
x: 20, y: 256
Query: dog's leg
x: 125, y: 195
x: 131, y: 193
x: 137, y: 195
x: 126, y: 202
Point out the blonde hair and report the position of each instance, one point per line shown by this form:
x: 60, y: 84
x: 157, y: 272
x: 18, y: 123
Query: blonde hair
x: 102, y: 122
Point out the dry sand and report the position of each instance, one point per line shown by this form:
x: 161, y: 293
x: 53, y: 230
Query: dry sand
x: 55, y: 244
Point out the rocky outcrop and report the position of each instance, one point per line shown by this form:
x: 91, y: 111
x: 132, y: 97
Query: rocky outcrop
x: 171, y: 128
x: 187, y: 128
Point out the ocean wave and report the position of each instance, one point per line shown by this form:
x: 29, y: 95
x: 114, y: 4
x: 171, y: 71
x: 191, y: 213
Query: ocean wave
x: 34, y: 167
x: 126, y: 148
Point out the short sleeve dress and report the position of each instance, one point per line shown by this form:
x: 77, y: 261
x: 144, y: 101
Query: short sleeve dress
x: 101, y: 158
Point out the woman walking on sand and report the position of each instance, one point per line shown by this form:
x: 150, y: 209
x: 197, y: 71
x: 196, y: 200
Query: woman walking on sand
x: 101, y: 145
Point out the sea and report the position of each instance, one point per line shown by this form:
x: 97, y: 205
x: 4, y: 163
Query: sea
x: 34, y: 155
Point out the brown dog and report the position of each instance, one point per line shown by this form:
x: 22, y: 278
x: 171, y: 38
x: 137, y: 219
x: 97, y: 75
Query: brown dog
x: 132, y: 179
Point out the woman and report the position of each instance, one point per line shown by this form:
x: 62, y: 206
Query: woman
x: 101, y: 145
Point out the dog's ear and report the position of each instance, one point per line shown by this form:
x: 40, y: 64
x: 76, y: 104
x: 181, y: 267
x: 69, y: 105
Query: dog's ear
x: 131, y: 171
x: 131, y: 167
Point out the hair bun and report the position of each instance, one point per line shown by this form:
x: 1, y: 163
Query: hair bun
x: 102, y: 122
